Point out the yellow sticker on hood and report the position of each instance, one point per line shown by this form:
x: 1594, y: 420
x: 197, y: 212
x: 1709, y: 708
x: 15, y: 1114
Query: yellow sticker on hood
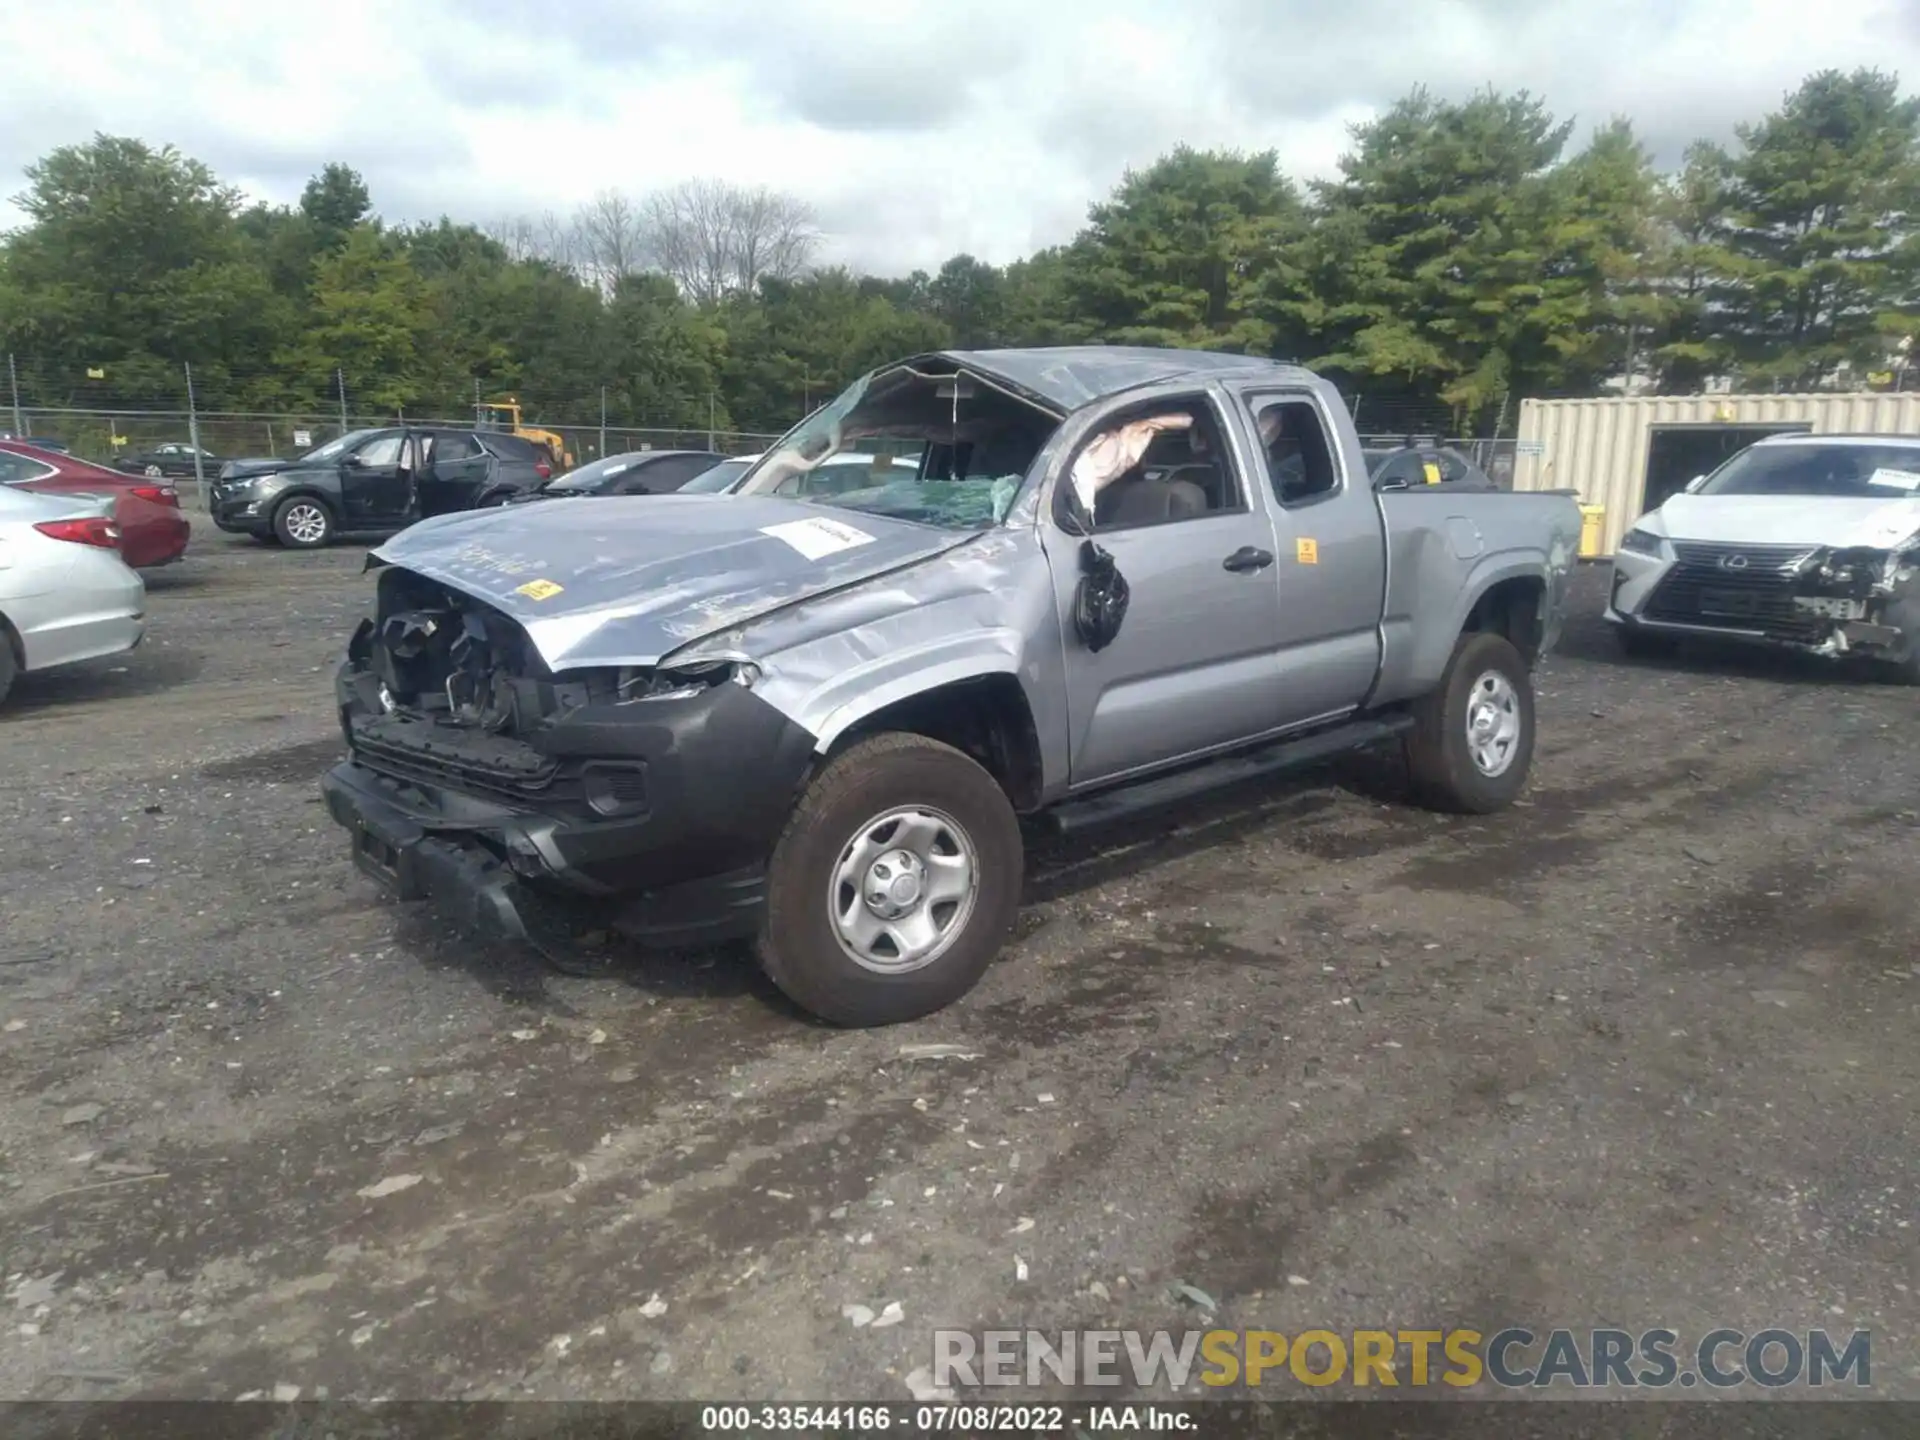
x: 539, y: 589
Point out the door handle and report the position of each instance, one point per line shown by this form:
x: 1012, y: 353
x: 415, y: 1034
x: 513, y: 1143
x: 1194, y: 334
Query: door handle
x: 1247, y: 559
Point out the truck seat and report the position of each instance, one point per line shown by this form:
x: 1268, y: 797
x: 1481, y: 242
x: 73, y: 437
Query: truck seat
x: 1141, y: 501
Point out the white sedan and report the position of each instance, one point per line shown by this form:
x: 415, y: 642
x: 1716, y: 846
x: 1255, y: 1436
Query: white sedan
x: 1810, y: 542
x: 65, y: 593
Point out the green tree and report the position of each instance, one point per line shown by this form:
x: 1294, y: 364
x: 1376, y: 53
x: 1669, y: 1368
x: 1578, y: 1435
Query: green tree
x: 371, y: 310
x: 132, y: 262
x: 667, y: 356
x: 1179, y: 254
x: 335, y: 201
x: 1598, y: 213
x: 1686, y: 267
x: 1432, y: 265
x: 969, y: 297
x: 1820, y: 236
x: 804, y: 340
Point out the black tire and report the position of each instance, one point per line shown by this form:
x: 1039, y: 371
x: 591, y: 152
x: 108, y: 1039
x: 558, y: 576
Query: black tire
x: 9, y: 667
x: 295, y: 527
x: 1646, y: 645
x: 799, y: 942
x: 1440, y: 761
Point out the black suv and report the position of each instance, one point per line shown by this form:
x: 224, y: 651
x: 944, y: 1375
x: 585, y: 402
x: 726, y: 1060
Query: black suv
x: 373, y: 482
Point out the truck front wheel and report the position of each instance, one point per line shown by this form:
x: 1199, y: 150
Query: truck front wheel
x: 894, y: 885
x: 1472, y: 741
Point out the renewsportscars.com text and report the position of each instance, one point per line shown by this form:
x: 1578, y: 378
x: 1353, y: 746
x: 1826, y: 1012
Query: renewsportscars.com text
x: 1511, y: 1359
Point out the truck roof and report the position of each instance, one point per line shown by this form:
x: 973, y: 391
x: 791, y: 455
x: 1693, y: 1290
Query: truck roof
x: 1068, y: 377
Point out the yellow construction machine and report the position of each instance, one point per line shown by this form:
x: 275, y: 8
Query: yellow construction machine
x: 504, y: 414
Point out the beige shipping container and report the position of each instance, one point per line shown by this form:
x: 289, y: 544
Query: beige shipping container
x: 1606, y: 448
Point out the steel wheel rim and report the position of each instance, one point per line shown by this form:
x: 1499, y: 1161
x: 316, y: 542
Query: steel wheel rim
x: 1493, y: 724
x: 153, y: 471
x: 903, y: 889
x: 306, y: 523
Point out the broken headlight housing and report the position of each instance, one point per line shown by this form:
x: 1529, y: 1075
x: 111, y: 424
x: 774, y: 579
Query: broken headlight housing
x: 686, y: 683
x: 1644, y: 542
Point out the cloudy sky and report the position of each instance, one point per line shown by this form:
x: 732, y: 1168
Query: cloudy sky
x: 917, y: 128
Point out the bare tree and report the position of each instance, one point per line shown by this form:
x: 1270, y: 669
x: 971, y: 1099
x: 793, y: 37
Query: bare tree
x: 610, y: 234
x: 774, y: 234
x: 714, y: 239
x: 538, y: 237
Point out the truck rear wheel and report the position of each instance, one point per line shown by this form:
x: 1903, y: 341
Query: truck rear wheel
x: 894, y: 885
x: 1472, y: 741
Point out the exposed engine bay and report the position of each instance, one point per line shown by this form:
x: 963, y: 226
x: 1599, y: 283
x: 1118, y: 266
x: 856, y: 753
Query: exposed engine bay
x: 433, y: 653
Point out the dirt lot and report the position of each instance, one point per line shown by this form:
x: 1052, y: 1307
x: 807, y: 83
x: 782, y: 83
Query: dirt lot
x: 1638, y: 1053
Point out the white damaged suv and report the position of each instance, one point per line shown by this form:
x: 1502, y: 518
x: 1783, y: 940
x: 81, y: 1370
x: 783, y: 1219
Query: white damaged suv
x: 1810, y: 542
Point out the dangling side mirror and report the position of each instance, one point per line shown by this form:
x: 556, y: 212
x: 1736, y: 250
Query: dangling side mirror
x: 1100, y: 601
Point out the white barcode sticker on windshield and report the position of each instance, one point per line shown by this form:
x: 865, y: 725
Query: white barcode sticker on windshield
x: 818, y: 538
x: 1895, y: 479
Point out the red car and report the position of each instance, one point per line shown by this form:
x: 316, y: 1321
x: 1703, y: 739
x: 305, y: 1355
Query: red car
x: 153, y: 529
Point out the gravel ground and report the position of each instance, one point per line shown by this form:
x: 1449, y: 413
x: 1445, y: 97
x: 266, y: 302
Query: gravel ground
x: 1638, y: 1053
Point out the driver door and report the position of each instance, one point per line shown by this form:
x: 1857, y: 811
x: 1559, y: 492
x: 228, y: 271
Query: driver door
x: 1193, y: 668
x: 376, y: 483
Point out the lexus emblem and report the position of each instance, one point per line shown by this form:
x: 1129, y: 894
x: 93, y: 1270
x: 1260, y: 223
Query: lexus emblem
x: 1733, y: 562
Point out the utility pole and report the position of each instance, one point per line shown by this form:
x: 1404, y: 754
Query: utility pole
x: 710, y: 435
x: 13, y: 379
x: 340, y: 379
x: 603, y: 422
x: 193, y: 436
x: 476, y: 400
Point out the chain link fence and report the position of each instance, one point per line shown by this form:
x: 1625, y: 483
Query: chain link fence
x: 124, y: 430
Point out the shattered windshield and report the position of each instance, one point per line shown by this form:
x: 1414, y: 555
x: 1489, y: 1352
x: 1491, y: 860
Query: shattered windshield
x: 1857, y: 472
x: 938, y: 449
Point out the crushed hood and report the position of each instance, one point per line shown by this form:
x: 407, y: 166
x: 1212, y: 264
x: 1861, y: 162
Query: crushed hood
x: 1790, y: 520
x: 626, y: 580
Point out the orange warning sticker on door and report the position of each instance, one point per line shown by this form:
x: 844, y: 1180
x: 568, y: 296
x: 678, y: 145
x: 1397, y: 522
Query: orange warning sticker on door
x: 1307, y: 552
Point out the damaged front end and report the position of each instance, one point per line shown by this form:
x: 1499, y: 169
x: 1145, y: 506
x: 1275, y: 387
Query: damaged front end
x: 645, y: 798
x: 1859, y: 600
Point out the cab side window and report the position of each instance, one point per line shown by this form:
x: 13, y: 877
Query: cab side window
x: 1300, y: 464
x: 1160, y: 464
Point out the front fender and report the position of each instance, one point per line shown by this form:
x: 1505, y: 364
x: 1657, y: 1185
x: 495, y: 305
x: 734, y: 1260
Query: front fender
x: 829, y: 699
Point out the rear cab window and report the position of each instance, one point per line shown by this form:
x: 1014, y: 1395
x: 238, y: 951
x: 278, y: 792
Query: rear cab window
x: 1302, y: 462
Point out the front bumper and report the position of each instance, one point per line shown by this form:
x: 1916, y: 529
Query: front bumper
x: 1774, y: 596
x: 720, y: 773
x: 240, y: 509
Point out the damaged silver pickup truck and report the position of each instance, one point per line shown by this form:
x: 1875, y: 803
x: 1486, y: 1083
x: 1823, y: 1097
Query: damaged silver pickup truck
x: 823, y: 713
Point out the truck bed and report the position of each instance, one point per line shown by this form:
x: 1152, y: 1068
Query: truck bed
x: 1446, y: 546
